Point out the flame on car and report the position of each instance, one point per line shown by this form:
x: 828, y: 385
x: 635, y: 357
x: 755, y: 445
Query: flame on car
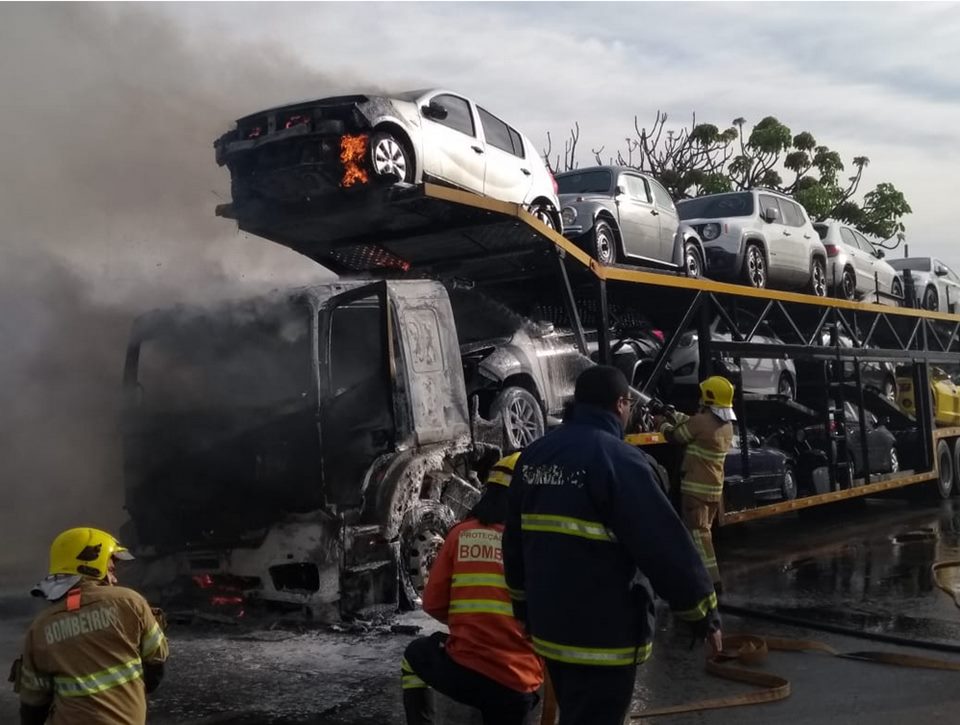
x: 353, y: 150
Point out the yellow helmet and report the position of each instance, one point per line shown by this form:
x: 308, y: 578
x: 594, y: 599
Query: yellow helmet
x: 86, y: 552
x: 716, y: 392
x: 502, y: 471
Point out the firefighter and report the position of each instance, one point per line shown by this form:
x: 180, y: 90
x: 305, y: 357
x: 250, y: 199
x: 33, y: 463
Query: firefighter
x: 96, y: 651
x: 589, y: 537
x: 486, y: 661
x: 707, y: 436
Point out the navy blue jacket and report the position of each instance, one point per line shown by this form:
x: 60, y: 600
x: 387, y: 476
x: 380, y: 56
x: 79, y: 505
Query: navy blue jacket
x: 587, y: 534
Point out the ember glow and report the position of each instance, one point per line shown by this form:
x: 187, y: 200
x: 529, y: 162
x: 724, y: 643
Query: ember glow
x: 353, y: 149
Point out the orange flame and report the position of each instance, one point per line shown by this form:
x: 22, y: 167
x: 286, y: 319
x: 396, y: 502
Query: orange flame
x: 353, y: 149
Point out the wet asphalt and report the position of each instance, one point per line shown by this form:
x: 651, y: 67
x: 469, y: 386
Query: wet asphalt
x: 863, y: 570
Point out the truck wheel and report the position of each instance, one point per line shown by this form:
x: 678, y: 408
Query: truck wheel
x: 754, y: 266
x: 604, y: 243
x: 945, y: 462
x: 522, y: 417
x: 390, y: 158
x: 422, y: 531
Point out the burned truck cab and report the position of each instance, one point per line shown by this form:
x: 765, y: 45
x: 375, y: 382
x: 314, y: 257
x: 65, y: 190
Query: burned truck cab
x: 307, y: 450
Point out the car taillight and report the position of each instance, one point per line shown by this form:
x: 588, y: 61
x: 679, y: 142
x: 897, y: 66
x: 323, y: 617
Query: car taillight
x: 832, y: 250
x: 658, y: 334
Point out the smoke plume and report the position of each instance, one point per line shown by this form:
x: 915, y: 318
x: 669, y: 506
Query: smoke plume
x: 107, y: 118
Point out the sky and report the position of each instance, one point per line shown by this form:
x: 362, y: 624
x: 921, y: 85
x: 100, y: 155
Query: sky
x: 108, y: 181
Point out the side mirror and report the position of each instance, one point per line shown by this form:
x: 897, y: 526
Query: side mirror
x: 620, y: 190
x: 940, y: 271
x: 880, y: 254
x: 434, y: 111
x: 771, y: 215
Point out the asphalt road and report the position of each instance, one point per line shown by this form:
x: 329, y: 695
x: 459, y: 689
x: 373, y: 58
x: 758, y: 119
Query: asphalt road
x: 864, y: 569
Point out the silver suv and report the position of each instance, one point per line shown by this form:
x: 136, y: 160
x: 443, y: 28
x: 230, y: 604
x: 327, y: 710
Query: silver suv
x: 856, y: 269
x: 760, y: 238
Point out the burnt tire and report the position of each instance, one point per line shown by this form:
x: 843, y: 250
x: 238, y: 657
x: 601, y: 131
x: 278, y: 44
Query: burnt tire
x: 847, y: 290
x: 944, y: 481
x: 604, y: 243
x: 391, y: 158
x: 422, y: 531
x: 522, y: 417
x: 817, y: 285
x: 931, y: 299
x: 755, y: 273
x: 692, y: 260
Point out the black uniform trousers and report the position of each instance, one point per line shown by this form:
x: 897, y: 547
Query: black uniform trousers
x: 592, y: 694
x: 426, y: 660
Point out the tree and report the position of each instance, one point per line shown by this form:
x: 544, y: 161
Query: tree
x: 701, y: 159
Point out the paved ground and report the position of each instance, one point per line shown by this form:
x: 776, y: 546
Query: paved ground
x: 865, y: 569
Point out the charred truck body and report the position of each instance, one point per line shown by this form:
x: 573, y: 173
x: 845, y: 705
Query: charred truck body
x: 309, y: 450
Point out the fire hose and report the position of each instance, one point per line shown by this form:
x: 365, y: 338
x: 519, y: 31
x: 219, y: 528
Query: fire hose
x: 750, y: 649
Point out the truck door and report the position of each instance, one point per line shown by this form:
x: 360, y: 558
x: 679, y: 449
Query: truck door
x: 356, y: 416
x: 431, y: 395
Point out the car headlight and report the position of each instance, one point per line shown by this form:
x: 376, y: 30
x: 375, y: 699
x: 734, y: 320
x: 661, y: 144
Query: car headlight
x: 710, y: 232
x: 568, y: 214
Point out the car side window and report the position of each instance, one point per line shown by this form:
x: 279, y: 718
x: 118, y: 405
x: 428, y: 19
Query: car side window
x: 496, y: 132
x: 865, y: 244
x: 792, y: 216
x: 459, y: 117
x: 636, y: 188
x: 664, y: 201
x: 847, y: 236
x: 769, y: 202
x: 517, y: 143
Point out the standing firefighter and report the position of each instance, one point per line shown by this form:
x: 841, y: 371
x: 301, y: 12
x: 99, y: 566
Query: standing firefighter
x: 588, y: 532
x: 485, y: 662
x: 707, y: 437
x: 92, y: 656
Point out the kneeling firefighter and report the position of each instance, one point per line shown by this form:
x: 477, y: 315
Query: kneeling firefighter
x: 486, y: 662
x: 94, y: 654
x: 707, y: 437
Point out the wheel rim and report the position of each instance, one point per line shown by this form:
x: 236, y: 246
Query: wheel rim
x: 756, y: 268
x: 849, y: 285
x: 693, y: 261
x: 604, y: 247
x: 389, y: 159
x: 422, y: 557
x: 896, y: 289
x: 946, y: 473
x: 522, y: 421
x: 819, y: 280
x: 789, y: 485
x: 543, y: 215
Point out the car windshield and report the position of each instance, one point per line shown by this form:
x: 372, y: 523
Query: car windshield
x: 920, y: 264
x: 717, y: 206
x: 597, y: 181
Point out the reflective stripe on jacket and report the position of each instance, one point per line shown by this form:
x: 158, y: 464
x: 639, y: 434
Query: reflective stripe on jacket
x: 88, y: 662
x: 588, y: 532
x: 467, y: 590
x: 707, y: 440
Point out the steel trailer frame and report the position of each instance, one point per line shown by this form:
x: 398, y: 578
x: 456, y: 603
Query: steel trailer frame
x: 439, y: 232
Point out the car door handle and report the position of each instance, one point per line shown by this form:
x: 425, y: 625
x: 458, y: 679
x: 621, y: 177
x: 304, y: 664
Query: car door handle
x: 655, y: 212
x: 478, y: 149
x: 786, y: 233
x: 526, y: 172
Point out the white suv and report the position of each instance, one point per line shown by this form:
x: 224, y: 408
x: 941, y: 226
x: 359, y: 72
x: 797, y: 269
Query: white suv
x: 760, y: 238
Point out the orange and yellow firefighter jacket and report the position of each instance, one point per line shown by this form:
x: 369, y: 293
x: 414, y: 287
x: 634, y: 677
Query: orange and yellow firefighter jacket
x: 466, y: 590
x: 84, y: 657
x: 706, y: 439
